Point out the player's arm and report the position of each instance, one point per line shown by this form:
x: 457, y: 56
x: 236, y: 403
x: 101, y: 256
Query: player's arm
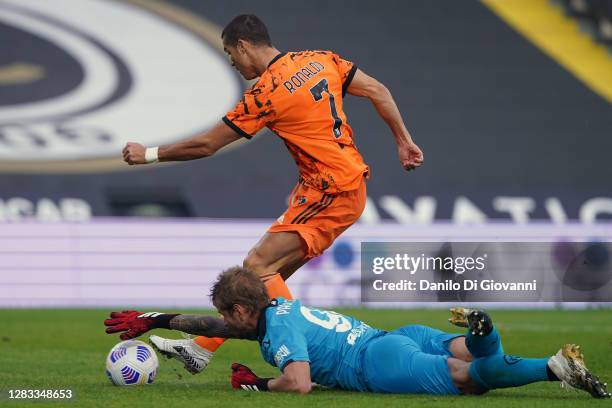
x: 295, y: 378
x: 196, y: 147
x: 133, y: 324
x: 202, y: 326
x: 364, y: 85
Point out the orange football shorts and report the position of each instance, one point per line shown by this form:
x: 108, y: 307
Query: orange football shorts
x: 319, y: 217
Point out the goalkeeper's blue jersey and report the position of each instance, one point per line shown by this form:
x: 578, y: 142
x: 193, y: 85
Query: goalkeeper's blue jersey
x: 332, y: 343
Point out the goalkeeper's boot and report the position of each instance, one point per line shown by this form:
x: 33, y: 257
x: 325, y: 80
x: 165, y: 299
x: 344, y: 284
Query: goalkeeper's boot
x: 477, y: 321
x: 194, y: 357
x: 568, y: 365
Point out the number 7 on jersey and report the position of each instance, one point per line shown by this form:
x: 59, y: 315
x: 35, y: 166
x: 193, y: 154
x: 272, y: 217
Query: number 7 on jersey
x: 317, y: 94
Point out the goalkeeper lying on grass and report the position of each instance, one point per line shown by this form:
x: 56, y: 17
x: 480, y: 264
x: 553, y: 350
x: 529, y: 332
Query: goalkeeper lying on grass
x: 310, y: 345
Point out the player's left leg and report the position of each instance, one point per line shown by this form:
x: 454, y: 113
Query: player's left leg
x: 482, y: 338
x: 437, y: 342
x: 275, y: 253
x: 290, y: 269
x: 310, y: 225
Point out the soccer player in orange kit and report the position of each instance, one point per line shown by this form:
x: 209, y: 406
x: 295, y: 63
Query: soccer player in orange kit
x: 299, y: 97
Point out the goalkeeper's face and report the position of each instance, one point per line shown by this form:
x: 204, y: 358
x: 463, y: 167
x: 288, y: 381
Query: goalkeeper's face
x: 240, y: 319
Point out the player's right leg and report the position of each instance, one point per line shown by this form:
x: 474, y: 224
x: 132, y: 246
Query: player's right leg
x: 493, y: 369
x: 568, y: 365
x: 395, y: 364
x: 504, y: 371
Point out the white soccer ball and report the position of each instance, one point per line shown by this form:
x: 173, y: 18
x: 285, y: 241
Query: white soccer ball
x: 131, y: 362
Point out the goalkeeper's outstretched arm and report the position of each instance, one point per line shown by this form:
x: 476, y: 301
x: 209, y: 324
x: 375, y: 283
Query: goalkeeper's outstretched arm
x: 131, y: 323
x: 203, y: 326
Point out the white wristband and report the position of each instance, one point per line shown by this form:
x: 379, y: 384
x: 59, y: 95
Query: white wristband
x: 151, y: 154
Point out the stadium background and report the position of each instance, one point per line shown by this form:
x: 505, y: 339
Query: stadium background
x: 509, y: 99
x: 516, y: 142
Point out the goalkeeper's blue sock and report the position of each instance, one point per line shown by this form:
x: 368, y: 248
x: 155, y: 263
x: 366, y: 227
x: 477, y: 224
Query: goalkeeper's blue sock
x: 502, y: 371
x: 483, y: 346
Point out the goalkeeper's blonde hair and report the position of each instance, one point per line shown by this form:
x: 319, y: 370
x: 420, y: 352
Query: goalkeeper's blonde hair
x: 239, y: 286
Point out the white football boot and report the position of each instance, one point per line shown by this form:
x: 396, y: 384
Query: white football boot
x: 568, y: 365
x: 194, y: 357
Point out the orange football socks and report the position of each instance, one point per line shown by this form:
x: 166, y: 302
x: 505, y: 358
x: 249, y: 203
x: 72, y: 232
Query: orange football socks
x: 277, y: 287
x: 209, y: 343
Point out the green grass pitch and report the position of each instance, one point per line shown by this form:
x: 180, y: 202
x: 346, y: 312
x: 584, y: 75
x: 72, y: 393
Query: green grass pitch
x: 66, y: 349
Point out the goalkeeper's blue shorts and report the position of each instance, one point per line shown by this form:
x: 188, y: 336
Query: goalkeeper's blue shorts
x: 411, y: 359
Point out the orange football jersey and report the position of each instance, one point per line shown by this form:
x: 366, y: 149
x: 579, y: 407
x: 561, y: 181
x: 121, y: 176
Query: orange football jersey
x: 299, y: 98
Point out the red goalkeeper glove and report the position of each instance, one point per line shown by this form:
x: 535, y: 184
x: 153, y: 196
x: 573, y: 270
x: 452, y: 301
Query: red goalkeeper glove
x: 243, y: 377
x: 134, y: 323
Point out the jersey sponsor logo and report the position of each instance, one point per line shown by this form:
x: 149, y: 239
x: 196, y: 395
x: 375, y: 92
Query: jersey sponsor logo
x: 280, y: 355
x: 356, y: 333
x: 77, y: 91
